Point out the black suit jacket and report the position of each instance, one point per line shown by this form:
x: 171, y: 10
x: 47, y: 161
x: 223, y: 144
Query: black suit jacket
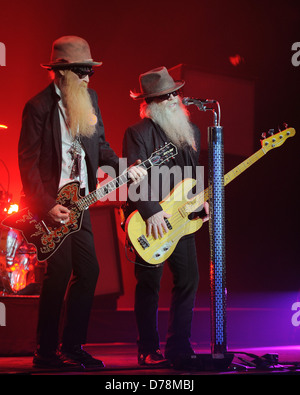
x: 140, y: 140
x: 40, y: 150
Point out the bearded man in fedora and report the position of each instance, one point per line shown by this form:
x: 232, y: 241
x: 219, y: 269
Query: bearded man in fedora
x: 62, y: 139
x: 164, y: 119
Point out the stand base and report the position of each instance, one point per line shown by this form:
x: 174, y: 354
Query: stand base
x: 204, y: 362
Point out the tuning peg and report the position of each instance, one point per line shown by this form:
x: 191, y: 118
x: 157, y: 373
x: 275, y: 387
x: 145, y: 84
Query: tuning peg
x: 284, y: 126
x: 264, y: 135
x: 270, y: 132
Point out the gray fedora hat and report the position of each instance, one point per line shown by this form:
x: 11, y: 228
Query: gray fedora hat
x: 156, y: 82
x: 70, y: 51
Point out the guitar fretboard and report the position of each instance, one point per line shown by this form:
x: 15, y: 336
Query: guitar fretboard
x: 111, y: 186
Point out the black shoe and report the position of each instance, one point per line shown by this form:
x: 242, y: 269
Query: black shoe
x: 154, y: 358
x: 54, y: 361
x: 77, y: 354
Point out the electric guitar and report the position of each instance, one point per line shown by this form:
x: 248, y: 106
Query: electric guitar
x: 47, y: 235
x: 156, y: 251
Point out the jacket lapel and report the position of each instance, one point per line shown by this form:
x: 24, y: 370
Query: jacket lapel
x: 56, y: 124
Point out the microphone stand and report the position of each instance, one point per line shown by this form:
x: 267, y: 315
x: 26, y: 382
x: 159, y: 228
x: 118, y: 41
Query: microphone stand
x: 220, y: 358
x: 217, y: 238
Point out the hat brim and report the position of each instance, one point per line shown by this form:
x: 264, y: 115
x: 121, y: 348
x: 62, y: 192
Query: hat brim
x: 178, y: 85
x: 57, y: 66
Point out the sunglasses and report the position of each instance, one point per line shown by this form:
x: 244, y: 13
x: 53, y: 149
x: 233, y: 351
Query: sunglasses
x: 82, y: 72
x: 162, y: 97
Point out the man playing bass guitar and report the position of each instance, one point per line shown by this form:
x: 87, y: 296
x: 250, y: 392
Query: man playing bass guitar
x: 164, y: 119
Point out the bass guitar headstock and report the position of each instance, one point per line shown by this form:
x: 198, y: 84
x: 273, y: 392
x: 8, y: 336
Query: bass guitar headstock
x: 276, y: 140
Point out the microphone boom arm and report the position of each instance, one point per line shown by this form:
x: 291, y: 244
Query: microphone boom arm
x: 201, y: 104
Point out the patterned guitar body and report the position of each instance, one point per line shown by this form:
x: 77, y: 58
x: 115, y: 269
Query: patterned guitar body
x: 45, y: 234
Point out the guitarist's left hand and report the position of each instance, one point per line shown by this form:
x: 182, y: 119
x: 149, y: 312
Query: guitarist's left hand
x: 137, y: 173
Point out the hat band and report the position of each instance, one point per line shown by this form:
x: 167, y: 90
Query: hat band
x: 152, y: 93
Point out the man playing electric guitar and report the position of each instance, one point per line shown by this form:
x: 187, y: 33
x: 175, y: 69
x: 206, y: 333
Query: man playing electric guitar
x: 164, y: 118
x: 62, y: 140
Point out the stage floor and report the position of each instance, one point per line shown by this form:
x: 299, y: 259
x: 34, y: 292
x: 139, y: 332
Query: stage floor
x: 120, y: 359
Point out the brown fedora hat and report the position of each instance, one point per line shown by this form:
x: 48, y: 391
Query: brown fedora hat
x: 156, y: 82
x: 68, y: 51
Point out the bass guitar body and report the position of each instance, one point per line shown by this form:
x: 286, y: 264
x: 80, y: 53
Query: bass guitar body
x: 156, y: 251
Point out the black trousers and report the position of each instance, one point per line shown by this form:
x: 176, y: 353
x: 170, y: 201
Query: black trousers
x: 184, y: 268
x: 72, y: 268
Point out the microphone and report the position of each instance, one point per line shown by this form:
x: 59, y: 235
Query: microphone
x: 201, y: 104
x: 187, y: 101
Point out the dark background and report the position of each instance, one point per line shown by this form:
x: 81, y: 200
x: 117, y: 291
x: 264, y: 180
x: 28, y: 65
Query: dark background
x: 131, y: 37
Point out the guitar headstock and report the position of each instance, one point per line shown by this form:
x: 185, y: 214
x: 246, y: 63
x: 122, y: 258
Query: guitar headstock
x: 276, y: 140
x: 168, y: 151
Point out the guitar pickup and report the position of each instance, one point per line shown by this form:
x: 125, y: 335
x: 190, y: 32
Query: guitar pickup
x: 143, y: 242
x: 168, y: 224
x: 163, y: 250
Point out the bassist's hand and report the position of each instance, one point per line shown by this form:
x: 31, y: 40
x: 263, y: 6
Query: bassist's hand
x: 204, y: 214
x: 156, y: 224
x: 206, y: 208
x: 59, y: 214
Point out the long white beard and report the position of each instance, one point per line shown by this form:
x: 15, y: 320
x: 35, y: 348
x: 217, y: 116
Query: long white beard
x: 173, y: 120
x: 79, y: 109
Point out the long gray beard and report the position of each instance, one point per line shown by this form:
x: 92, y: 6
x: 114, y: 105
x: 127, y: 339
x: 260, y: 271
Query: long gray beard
x: 79, y: 108
x: 174, y: 122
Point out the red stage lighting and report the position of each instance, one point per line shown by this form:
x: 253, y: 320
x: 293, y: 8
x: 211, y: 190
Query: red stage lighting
x: 13, y: 208
x: 236, y: 60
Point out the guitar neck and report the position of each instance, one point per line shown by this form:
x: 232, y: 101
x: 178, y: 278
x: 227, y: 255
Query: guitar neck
x: 230, y: 176
x: 111, y: 186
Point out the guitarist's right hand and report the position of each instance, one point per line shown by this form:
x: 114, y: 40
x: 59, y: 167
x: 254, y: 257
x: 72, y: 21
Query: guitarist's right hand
x: 59, y: 213
x: 156, y: 224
